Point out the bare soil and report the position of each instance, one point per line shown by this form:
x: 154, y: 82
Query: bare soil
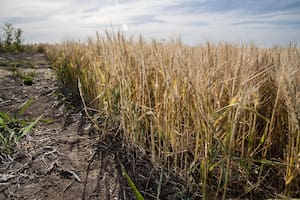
x: 64, y: 157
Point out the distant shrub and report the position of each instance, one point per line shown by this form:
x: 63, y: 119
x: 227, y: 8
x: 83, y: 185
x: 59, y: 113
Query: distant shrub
x: 18, y: 39
x: 12, y: 39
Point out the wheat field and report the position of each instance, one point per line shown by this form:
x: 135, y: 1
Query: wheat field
x: 225, y: 118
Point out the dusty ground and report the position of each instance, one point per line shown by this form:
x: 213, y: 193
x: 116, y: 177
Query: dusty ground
x: 63, y: 157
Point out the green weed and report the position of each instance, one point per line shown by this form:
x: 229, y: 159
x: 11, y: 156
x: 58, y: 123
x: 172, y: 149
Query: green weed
x: 137, y: 193
x: 13, y: 128
x: 26, y: 77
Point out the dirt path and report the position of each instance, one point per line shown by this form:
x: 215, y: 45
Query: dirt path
x: 52, y: 162
x: 64, y: 158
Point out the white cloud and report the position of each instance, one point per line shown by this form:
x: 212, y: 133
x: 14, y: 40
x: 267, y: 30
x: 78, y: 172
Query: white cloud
x: 55, y: 20
x: 20, y: 8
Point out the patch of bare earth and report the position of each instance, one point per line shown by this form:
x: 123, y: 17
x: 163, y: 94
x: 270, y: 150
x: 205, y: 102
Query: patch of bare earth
x: 64, y: 157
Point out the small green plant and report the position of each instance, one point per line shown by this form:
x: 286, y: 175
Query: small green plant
x: 26, y: 77
x: 28, y: 80
x: 13, y: 128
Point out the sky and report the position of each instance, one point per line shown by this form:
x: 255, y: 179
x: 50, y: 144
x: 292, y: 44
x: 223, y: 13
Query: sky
x: 264, y: 22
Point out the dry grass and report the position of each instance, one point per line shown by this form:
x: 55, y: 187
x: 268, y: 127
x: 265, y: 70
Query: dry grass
x: 223, y: 117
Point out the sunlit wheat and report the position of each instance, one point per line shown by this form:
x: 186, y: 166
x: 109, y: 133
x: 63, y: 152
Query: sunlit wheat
x: 223, y: 117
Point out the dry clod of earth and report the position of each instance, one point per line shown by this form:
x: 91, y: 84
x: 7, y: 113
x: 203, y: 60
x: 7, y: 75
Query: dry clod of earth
x: 62, y: 158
